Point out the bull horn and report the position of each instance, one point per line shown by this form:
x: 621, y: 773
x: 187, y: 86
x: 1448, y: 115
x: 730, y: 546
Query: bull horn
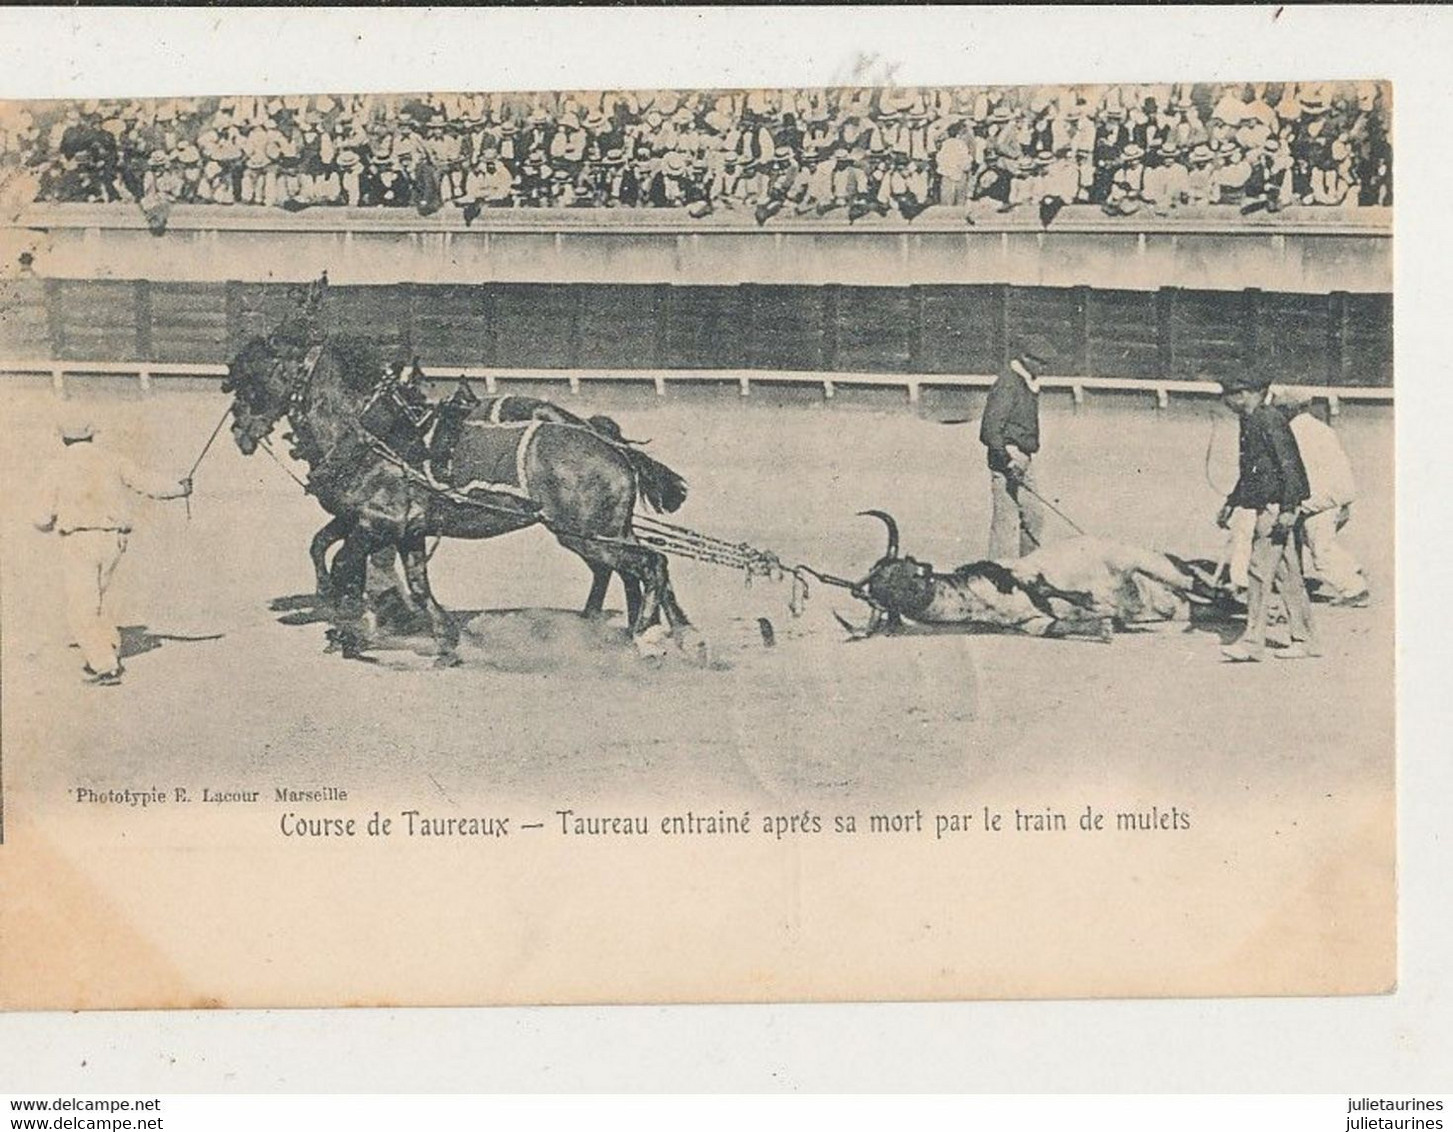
x: 892, y: 526
x: 875, y: 623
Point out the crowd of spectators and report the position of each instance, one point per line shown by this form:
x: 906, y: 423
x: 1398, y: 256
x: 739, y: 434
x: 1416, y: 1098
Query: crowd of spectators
x: 803, y: 152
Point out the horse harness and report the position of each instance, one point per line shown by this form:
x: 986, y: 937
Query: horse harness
x: 667, y: 538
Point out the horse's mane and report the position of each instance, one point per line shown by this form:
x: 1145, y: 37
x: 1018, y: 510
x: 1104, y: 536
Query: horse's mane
x: 359, y: 359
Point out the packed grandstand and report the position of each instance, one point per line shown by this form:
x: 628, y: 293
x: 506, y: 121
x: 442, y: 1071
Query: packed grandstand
x: 793, y: 152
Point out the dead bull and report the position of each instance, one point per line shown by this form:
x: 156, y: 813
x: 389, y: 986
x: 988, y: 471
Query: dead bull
x: 1083, y: 587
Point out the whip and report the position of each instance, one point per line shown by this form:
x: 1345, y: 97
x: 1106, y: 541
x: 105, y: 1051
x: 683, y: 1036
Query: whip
x: 1022, y: 486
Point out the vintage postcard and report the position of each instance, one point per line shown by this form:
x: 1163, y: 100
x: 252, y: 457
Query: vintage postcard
x: 700, y: 545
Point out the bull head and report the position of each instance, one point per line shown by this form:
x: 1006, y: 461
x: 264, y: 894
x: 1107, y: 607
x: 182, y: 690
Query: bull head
x: 895, y: 587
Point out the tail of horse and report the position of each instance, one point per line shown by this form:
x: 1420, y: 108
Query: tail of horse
x: 661, y: 488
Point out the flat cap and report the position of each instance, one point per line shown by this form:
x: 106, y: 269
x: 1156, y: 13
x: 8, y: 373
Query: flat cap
x: 1037, y: 354
x: 1241, y: 382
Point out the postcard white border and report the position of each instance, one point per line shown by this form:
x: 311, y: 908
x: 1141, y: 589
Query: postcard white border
x: 1393, y: 1043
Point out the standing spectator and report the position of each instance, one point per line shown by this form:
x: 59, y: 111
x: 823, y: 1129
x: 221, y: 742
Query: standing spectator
x: 445, y: 153
x: 1226, y: 118
x: 1273, y: 483
x: 1009, y: 432
x: 1110, y: 141
x: 89, y: 508
x: 568, y: 145
x: 952, y: 164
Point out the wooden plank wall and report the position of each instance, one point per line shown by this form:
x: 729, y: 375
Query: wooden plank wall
x: 25, y: 330
x: 1171, y: 334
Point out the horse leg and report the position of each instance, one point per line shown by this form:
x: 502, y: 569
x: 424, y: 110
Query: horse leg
x: 416, y: 572
x: 383, y: 577
x: 672, y: 608
x: 595, y: 603
x: 350, y: 568
x: 600, y: 574
x: 688, y: 639
x: 634, y: 563
x: 334, y: 531
x: 633, y: 598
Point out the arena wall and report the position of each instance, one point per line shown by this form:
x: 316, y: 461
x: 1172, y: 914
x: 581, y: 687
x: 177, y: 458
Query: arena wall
x: 1170, y: 300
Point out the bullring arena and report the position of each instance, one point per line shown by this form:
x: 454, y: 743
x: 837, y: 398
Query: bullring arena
x: 797, y: 370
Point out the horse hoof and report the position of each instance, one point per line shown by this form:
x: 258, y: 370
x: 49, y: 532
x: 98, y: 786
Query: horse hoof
x: 448, y: 660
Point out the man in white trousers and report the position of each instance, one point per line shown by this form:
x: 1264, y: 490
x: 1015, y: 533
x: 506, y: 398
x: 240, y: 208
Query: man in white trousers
x: 1325, y: 513
x: 89, y: 507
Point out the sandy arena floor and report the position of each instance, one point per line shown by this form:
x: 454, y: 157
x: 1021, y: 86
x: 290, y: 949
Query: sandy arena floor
x: 547, y: 707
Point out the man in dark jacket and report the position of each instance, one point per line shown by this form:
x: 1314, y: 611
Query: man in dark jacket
x: 1009, y: 432
x: 1273, y: 483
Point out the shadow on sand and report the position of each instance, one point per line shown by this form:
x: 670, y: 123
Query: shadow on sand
x: 138, y: 639
x: 506, y: 640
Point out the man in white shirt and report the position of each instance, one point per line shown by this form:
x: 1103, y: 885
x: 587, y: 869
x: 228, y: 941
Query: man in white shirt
x: 1328, y: 508
x: 953, y: 162
x: 89, y: 506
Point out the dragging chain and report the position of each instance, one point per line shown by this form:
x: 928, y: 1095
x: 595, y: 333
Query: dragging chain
x: 669, y: 538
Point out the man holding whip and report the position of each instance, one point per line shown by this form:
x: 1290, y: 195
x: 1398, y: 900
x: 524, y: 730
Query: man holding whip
x: 1009, y: 432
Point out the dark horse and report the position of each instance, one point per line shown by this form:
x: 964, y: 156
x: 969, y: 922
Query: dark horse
x: 501, y: 478
x: 399, y: 413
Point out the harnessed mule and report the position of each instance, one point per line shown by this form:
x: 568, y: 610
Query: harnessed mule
x: 580, y: 486
x: 427, y: 433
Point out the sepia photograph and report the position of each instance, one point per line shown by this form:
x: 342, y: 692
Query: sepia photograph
x: 819, y: 543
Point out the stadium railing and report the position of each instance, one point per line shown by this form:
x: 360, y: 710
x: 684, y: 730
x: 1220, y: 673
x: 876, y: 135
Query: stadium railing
x: 146, y: 374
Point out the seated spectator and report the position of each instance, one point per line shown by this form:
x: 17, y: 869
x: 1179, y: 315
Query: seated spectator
x: 1200, y: 180
x: 1269, y: 185
x: 1230, y: 175
x: 1123, y: 197
x: 1163, y: 186
x: 1060, y: 180
x: 490, y: 182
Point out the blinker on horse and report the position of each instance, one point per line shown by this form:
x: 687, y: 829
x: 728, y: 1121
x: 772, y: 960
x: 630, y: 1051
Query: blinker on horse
x: 578, y: 484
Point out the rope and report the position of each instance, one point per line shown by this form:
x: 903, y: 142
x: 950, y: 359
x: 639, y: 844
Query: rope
x: 292, y: 475
x: 197, y: 463
x: 1210, y: 443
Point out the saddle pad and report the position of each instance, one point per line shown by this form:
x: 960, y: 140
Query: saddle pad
x: 491, y: 458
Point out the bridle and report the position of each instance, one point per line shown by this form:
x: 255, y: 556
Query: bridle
x: 300, y: 387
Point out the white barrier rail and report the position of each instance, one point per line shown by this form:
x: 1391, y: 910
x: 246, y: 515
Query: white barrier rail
x: 912, y: 383
x: 1218, y: 220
